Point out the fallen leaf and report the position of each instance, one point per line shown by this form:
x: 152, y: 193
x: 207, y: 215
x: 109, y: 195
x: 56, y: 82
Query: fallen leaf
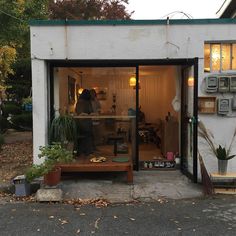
x: 96, y: 223
x: 63, y: 221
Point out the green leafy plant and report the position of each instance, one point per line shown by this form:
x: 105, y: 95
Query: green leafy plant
x: 54, y: 154
x: 63, y: 129
x: 1, y: 141
x: 221, y: 153
x: 27, y: 101
x: 22, y: 121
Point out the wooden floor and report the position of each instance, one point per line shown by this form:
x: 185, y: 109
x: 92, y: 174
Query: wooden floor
x: 83, y: 164
x: 149, y: 152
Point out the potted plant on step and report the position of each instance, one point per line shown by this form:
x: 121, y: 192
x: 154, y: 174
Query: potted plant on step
x: 54, y: 155
x: 222, y: 153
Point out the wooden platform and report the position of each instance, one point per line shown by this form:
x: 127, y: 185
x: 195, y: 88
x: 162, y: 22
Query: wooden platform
x: 83, y: 164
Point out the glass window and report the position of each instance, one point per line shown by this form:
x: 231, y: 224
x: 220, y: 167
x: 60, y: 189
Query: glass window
x: 219, y: 57
x: 233, y: 56
x: 226, y: 56
x: 207, y: 53
x: 215, y: 57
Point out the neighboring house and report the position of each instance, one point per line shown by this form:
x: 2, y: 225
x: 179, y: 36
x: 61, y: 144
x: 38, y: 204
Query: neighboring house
x: 228, y: 9
x: 185, y: 70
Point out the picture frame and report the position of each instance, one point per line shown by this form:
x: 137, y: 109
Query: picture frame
x: 71, y: 90
x: 101, y: 93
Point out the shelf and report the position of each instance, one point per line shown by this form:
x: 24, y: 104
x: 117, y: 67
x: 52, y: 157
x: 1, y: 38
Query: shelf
x: 207, y: 105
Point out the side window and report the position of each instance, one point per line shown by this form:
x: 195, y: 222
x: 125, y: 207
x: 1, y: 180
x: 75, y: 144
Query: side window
x: 219, y: 57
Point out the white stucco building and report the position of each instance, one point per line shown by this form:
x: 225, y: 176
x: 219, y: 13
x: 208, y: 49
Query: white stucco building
x: 106, y: 53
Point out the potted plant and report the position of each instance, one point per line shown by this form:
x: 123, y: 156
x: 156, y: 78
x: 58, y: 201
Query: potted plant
x: 54, y: 155
x: 27, y: 103
x: 63, y: 129
x: 222, y: 153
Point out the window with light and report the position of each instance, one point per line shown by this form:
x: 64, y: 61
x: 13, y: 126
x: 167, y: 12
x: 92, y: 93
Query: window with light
x: 219, y: 57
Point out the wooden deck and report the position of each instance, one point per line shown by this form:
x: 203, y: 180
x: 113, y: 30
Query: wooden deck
x: 83, y: 164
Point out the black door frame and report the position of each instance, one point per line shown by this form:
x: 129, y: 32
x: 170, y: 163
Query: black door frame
x: 185, y: 119
x: 136, y: 64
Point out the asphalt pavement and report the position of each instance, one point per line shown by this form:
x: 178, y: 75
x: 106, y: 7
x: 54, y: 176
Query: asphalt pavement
x: 201, y: 216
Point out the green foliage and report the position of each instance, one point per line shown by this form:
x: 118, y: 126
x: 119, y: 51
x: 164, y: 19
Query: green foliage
x: 11, y: 109
x: 221, y: 153
x: 1, y: 141
x: 23, y: 120
x: 15, y: 34
x: 34, y: 172
x: 7, y: 58
x: 3, y: 124
x: 27, y: 101
x: 63, y: 129
x: 89, y: 9
x: 54, y: 154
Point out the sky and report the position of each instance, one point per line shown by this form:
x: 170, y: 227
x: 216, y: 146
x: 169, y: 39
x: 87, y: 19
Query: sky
x: 159, y: 9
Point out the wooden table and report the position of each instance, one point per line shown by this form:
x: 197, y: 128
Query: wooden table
x: 83, y: 164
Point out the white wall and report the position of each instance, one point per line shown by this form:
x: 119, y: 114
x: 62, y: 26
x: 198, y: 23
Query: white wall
x: 40, y: 107
x: 129, y: 42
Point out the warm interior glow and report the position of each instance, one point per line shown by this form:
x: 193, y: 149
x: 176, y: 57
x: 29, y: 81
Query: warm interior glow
x: 80, y: 90
x: 132, y: 81
x: 215, y: 56
x: 207, y: 53
x: 190, y: 81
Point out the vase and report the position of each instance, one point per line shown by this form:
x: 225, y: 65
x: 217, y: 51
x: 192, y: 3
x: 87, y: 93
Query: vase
x: 222, y: 167
x: 53, y: 177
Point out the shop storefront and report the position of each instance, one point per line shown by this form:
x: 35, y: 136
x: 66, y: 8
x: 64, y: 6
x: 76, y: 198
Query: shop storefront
x: 143, y: 79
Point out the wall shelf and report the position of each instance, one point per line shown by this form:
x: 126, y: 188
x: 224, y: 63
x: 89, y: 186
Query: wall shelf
x: 207, y: 105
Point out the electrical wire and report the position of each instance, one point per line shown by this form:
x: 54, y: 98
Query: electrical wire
x: 171, y: 14
x: 16, y: 18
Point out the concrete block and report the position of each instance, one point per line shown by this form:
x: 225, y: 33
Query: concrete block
x: 49, y: 195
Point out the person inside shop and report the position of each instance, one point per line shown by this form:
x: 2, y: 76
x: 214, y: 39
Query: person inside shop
x: 96, y: 106
x: 84, y: 125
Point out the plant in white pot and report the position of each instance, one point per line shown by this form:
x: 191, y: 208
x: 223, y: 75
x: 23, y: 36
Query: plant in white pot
x: 222, y: 153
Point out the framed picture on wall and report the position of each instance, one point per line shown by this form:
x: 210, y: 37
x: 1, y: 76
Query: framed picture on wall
x: 71, y: 90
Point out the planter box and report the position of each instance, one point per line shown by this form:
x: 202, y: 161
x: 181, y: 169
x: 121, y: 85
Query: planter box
x: 22, y: 187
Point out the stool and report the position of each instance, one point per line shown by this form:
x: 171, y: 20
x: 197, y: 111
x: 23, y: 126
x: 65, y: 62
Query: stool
x: 115, y: 139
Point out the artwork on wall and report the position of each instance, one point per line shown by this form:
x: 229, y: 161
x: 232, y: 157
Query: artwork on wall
x: 71, y: 90
x: 101, y: 93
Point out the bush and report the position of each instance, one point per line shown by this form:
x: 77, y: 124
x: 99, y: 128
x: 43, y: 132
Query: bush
x: 22, y: 121
x: 11, y: 109
x: 3, y: 124
x: 1, y: 141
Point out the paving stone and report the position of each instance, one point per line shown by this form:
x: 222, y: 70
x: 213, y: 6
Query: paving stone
x: 49, y: 195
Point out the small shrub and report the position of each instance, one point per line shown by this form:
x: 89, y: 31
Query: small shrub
x: 23, y: 120
x: 11, y: 109
x: 3, y: 124
x: 1, y: 141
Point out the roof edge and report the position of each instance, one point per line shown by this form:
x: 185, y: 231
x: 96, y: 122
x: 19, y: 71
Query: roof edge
x: 131, y: 22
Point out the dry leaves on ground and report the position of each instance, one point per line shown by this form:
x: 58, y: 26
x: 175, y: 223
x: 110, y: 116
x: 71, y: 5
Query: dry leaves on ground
x: 80, y: 202
x: 15, y: 158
